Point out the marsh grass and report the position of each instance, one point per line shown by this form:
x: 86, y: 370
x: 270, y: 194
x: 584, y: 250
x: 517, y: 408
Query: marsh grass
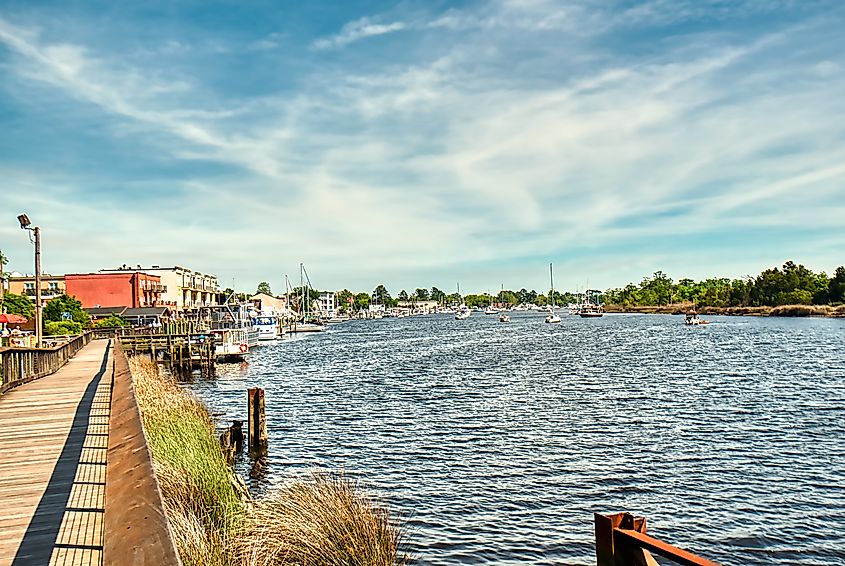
x: 204, y: 509
x: 321, y: 519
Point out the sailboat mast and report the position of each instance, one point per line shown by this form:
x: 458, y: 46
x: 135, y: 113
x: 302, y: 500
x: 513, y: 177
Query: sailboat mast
x: 552, y: 282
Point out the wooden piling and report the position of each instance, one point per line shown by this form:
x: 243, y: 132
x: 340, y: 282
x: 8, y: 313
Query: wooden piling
x: 257, y: 420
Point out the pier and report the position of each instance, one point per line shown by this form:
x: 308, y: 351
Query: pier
x: 76, y: 481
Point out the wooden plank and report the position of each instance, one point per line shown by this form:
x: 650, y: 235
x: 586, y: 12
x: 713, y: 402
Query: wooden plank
x: 52, y: 469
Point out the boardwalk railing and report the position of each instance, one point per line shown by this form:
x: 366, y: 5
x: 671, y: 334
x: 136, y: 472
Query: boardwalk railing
x: 621, y: 540
x: 21, y: 365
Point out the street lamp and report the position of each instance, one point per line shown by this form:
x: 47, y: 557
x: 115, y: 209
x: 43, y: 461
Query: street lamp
x: 25, y: 225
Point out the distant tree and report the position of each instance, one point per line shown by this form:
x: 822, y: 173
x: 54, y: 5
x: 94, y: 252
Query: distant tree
x: 343, y: 300
x: 507, y: 298
x: 403, y: 296
x: 264, y: 287
x: 836, y: 286
x: 381, y: 296
x: 63, y: 306
x: 362, y: 301
x: 19, y: 304
x: 437, y: 295
x: 453, y: 299
x: 421, y: 295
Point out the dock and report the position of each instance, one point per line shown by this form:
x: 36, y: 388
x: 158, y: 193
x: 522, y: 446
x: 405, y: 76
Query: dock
x: 53, y: 464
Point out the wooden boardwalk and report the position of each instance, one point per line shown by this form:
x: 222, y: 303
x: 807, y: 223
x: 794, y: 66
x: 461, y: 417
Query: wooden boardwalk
x: 53, y: 441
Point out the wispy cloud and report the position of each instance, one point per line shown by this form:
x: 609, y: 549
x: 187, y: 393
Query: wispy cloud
x: 465, y: 155
x: 358, y: 30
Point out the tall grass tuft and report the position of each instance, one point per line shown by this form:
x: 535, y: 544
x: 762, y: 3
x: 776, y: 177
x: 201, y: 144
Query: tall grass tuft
x: 320, y: 520
x: 203, y: 506
x: 323, y: 519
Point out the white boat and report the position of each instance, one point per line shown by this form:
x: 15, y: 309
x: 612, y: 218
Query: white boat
x: 463, y: 313
x: 491, y: 310
x: 307, y: 321
x: 504, y: 317
x: 552, y: 318
x: 267, y: 326
x: 573, y: 308
x: 691, y: 319
x: 590, y: 308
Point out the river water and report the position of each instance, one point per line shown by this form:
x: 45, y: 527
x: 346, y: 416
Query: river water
x: 496, y: 443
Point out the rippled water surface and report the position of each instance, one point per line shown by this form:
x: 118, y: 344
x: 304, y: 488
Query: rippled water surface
x: 497, y: 442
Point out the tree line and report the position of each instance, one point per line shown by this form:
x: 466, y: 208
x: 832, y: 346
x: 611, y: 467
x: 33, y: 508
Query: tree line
x: 790, y: 285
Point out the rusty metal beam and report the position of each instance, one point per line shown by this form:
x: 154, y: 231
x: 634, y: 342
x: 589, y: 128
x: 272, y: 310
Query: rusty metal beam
x: 630, y: 537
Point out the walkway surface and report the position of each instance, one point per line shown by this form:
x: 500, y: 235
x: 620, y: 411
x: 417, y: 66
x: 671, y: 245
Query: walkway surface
x: 53, y: 441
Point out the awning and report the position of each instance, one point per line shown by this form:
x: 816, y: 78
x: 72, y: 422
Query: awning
x: 12, y: 319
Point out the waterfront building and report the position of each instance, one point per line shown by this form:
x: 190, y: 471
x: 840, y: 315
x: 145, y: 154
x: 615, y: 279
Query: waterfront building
x: 52, y: 286
x: 268, y: 303
x: 327, y: 304
x: 186, y: 289
x: 129, y: 289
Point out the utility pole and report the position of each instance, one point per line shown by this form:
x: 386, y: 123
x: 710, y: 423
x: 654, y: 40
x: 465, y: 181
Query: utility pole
x: 2, y: 285
x: 38, y: 313
x: 25, y: 225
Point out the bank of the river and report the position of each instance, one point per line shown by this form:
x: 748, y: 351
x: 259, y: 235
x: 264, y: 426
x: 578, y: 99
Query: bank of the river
x: 312, y: 520
x: 783, y: 310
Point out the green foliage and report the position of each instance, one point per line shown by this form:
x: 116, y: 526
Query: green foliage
x: 473, y: 301
x: 507, y: 297
x: 362, y: 301
x: 382, y: 297
x: 62, y: 328
x: 437, y: 295
x: 791, y: 285
x: 264, y: 287
x: 111, y: 322
x: 342, y: 298
x: 421, y: 295
x: 403, y: 296
x: 836, y: 286
x: 18, y: 304
x: 55, y: 309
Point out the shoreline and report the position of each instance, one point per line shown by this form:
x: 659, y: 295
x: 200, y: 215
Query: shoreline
x: 818, y: 311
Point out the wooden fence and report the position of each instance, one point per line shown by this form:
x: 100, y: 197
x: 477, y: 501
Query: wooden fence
x: 21, y: 365
x: 621, y: 540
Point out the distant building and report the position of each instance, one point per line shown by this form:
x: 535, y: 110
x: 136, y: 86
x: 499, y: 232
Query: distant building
x: 327, y: 303
x: 52, y: 286
x: 268, y: 303
x: 129, y: 289
x: 186, y: 289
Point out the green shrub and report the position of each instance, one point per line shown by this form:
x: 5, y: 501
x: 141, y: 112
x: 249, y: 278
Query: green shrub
x: 62, y: 328
x: 112, y: 321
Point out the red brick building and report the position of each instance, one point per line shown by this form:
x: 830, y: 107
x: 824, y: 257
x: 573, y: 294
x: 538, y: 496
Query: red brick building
x: 132, y: 290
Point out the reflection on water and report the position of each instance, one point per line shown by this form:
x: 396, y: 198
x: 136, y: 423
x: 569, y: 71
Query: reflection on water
x: 497, y: 442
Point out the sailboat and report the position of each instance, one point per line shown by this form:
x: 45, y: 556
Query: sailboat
x: 307, y: 322
x: 463, y: 311
x: 552, y: 318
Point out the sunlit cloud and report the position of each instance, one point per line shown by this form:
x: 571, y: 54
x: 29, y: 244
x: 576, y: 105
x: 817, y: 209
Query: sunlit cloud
x: 491, y: 139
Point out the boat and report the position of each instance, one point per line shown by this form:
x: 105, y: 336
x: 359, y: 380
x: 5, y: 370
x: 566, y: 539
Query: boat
x: 307, y: 321
x: 267, y: 325
x: 590, y: 308
x: 552, y: 317
x: 504, y: 317
x: 463, y: 313
x: 691, y: 319
x: 233, y: 332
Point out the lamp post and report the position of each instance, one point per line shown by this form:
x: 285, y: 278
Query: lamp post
x: 26, y: 225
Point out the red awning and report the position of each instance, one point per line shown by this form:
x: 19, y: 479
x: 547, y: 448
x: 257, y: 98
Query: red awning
x: 12, y: 319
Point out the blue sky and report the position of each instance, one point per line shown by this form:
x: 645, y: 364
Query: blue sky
x: 425, y: 143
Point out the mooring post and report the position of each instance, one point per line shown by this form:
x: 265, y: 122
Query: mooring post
x: 257, y: 420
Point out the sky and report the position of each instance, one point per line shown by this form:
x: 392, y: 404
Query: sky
x: 425, y: 143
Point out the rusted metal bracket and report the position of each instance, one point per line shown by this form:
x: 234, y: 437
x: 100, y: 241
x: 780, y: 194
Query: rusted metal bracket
x: 621, y: 540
